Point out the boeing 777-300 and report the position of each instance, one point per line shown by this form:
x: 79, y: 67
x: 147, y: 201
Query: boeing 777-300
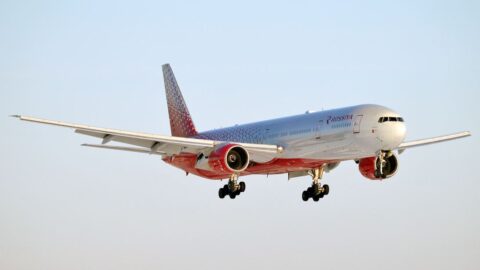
x: 302, y: 145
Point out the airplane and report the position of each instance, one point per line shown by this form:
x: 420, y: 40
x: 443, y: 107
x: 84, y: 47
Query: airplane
x: 308, y: 144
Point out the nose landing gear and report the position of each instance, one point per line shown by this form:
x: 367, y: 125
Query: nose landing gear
x: 317, y: 190
x: 382, y: 166
x: 232, y: 189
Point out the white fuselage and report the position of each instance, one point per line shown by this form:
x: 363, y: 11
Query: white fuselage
x: 339, y: 134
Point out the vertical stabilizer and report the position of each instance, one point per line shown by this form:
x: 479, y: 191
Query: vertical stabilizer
x: 181, y: 123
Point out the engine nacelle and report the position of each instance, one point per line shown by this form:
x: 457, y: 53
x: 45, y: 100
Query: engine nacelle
x: 230, y: 158
x: 370, y: 167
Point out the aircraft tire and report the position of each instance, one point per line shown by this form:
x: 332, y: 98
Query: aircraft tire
x: 305, y: 196
x: 326, y: 189
x: 243, y: 186
x: 221, y: 193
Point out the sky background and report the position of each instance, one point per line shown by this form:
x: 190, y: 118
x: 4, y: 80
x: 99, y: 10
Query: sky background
x: 63, y: 206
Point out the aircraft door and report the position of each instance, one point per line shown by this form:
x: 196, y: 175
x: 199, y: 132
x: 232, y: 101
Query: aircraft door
x: 319, y: 129
x: 356, y: 123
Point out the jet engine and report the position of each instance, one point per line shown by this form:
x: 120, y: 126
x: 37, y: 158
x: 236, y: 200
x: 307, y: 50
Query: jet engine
x: 370, y: 167
x: 230, y: 158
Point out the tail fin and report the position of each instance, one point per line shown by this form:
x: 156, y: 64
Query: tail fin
x: 181, y: 123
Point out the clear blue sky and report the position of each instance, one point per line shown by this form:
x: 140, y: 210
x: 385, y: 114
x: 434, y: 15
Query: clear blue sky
x: 66, y: 207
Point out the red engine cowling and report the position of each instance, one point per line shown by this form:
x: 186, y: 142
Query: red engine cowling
x: 230, y: 158
x: 369, y: 167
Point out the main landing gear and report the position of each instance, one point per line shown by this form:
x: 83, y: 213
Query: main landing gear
x: 233, y: 189
x: 316, y: 191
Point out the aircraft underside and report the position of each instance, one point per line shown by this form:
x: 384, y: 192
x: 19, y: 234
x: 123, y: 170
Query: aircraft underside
x: 314, y: 168
x: 187, y: 162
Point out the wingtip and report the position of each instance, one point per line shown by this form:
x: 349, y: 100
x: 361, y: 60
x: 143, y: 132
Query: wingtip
x: 15, y: 116
x: 466, y: 134
x: 88, y: 145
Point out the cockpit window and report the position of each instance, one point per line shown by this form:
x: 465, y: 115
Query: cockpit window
x: 390, y: 119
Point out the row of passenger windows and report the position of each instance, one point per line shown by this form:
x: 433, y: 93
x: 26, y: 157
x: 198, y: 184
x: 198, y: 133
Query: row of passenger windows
x: 390, y: 119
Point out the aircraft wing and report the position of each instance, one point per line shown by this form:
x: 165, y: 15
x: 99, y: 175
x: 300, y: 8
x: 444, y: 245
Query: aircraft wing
x: 157, y: 144
x: 123, y: 148
x: 405, y: 145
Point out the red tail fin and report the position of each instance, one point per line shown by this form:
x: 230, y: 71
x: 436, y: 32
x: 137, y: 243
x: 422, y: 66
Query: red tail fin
x: 181, y: 123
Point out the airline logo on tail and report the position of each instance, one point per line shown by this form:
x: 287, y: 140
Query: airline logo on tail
x: 181, y: 123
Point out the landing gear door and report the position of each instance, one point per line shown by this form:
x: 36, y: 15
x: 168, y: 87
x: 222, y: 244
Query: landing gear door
x: 356, y: 123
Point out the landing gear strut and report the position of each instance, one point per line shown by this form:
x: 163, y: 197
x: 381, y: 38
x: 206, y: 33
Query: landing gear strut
x: 232, y: 189
x: 382, y: 165
x: 317, y: 190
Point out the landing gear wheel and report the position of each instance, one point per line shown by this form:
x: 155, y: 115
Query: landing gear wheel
x: 326, y: 189
x: 305, y: 196
x: 233, y: 188
x: 242, y: 186
x: 316, y: 191
x: 221, y: 193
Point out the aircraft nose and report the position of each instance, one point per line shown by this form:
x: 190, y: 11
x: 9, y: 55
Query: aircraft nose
x: 393, y: 135
x: 399, y: 133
